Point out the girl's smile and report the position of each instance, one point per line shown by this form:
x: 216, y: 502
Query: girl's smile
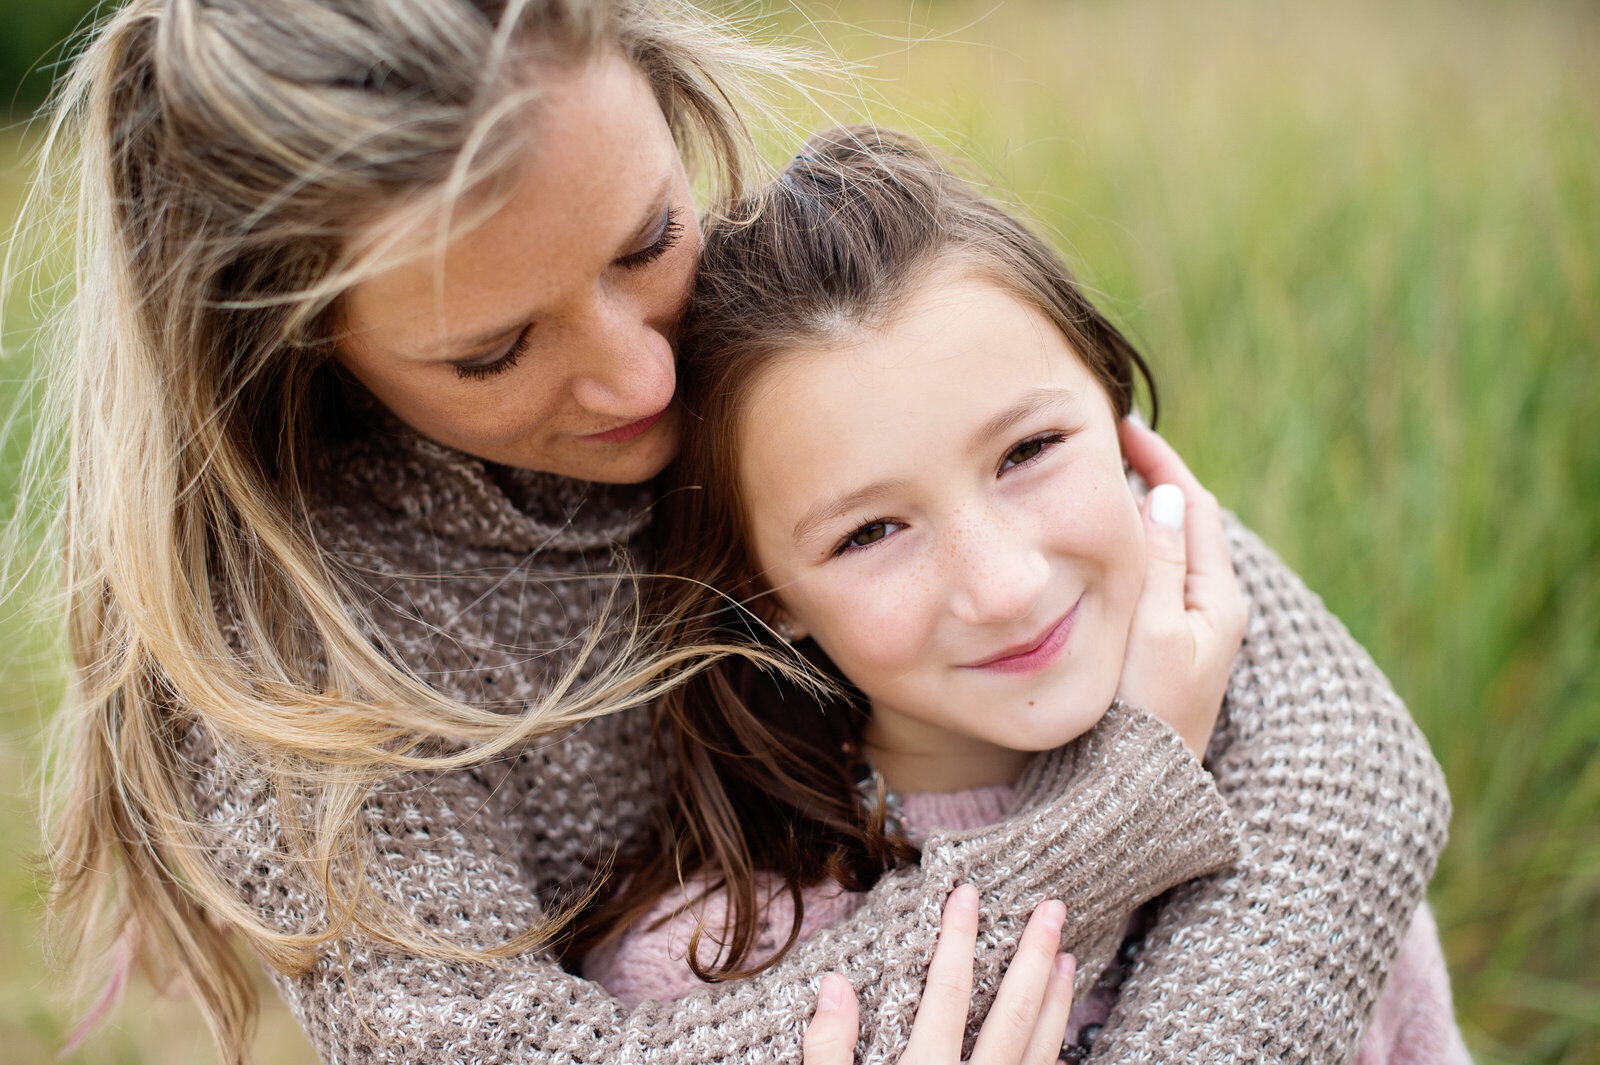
x: 940, y: 503
x: 1033, y: 655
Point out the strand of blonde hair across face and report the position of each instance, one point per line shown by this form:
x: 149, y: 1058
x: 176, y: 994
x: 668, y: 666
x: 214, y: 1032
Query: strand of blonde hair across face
x: 192, y: 337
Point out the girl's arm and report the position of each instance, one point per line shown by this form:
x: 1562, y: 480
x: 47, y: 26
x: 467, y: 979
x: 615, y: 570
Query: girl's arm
x: 1131, y: 814
x: 1344, y: 813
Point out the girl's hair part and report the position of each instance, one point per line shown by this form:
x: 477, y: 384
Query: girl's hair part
x: 756, y: 765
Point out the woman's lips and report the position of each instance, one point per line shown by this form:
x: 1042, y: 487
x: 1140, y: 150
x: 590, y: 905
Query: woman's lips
x: 1036, y: 654
x: 626, y: 432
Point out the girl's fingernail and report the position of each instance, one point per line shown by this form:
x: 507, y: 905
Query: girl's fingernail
x: 1166, y: 505
x: 1066, y: 966
x: 1136, y: 418
x: 965, y: 896
x: 829, y: 995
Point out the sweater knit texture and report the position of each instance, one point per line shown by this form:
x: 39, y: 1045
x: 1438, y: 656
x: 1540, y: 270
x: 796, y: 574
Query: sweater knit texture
x: 485, y: 581
x: 1414, y: 1024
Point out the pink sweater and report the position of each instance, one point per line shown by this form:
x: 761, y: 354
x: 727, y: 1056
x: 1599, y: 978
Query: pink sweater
x: 1414, y: 1023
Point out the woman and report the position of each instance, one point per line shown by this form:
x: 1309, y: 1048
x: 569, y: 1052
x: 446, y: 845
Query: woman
x: 373, y: 348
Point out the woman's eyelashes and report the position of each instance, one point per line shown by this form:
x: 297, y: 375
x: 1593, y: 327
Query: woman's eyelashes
x: 665, y: 240
x: 669, y: 235
x: 479, y: 371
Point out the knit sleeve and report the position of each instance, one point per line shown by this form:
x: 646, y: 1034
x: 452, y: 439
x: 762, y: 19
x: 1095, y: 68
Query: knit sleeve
x: 1344, y: 812
x: 1130, y: 815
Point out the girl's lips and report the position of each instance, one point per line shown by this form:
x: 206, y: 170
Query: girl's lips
x: 626, y: 432
x: 1035, y: 655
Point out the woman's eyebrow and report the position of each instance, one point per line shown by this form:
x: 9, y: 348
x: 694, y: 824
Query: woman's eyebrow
x: 1032, y: 402
x: 652, y: 217
x: 456, y: 347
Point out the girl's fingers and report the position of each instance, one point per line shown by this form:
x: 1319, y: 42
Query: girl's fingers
x: 1051, y: 1029
x: 831, y: 1036
x: 1009, y: 1029
x: 942, y: 1016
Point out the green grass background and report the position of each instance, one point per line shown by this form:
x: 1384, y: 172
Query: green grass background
x: 1360, y: 243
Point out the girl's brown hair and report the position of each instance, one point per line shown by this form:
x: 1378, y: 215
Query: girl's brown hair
x: 756, y: 768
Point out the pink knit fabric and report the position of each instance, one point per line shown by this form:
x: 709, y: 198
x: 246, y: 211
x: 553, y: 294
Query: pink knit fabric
x: 651, y: 960
x: 1414, y: 1023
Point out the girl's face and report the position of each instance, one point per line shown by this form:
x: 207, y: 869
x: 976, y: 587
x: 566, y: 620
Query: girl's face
x: 541, y: 339
x: 941, y: 505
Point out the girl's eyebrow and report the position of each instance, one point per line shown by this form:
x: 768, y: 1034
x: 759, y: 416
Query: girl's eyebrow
x: 832, y: 507
x: 1033, y: 401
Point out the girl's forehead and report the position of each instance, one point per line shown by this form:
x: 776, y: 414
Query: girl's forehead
x: 960, y: 359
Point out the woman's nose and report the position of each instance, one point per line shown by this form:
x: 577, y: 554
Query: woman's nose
x: 999, y: 574
x: 622, y: 362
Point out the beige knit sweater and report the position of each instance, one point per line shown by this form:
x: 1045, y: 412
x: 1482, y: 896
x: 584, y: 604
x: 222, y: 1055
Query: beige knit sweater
x: 1278, y: 955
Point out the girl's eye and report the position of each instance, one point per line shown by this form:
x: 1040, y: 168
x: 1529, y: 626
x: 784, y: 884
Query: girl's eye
x: 671, y: 233
x: 1030, y: 449
x: 481, y: 371
x: 870, y: 533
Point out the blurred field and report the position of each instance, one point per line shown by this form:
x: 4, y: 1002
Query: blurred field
x: 1361, y: 245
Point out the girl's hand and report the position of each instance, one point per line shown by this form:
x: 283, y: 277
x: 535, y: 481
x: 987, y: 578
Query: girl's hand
x: 1025, y: 1026
x: 1190, y: 618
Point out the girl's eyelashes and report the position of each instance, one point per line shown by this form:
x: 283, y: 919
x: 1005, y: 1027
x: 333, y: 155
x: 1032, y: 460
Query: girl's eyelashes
x: 671, y: 233
x: 480, y: 371
x: 1030, y: 449
x: 866, y: 535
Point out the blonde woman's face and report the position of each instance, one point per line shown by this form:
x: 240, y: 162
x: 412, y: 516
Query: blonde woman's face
x: 543, y: 337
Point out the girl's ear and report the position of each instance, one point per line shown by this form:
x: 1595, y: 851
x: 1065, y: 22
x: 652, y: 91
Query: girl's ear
x: 788, y: 630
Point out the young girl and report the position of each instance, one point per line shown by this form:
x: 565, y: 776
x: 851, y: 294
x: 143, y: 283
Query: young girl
x: 906, y: 458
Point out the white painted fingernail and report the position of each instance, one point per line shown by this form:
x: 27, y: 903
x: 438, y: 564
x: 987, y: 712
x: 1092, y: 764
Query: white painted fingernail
x: 1166, y: 505
x: 1136, y: 418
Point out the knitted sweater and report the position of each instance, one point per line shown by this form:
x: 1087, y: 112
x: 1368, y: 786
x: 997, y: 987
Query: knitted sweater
x: 485, y: 580
x: 1414, y: 1023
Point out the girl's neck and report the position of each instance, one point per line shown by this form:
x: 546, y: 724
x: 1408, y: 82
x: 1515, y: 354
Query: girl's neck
x: 917, y: 757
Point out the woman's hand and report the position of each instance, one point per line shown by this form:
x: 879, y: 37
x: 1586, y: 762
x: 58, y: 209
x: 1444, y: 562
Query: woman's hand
x: 1025, y: 1026
x: 1190, y: 618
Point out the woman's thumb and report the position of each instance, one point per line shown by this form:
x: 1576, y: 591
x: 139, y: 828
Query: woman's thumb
x: 831, y: 1035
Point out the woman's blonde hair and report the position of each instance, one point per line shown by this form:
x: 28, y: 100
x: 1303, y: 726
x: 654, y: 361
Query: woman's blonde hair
x: 218, y: 163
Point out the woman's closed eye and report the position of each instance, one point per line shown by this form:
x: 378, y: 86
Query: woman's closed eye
x: 665, y: 240
x: 868, y: 534
x: 492, y: 366
x: 1029, y: 450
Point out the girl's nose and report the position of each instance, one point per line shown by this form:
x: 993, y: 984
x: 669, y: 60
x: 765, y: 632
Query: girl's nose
x: 623, y: 364
x: 999, y: 576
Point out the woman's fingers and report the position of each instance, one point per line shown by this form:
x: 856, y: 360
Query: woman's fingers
x: 1211, y: 587
x: 831, y: 1035
x: 1166, y: 550
x: 1154, y: 459
x: 942, y: 1016
x: 1051, y: 1028
x: 1013, y: 1021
